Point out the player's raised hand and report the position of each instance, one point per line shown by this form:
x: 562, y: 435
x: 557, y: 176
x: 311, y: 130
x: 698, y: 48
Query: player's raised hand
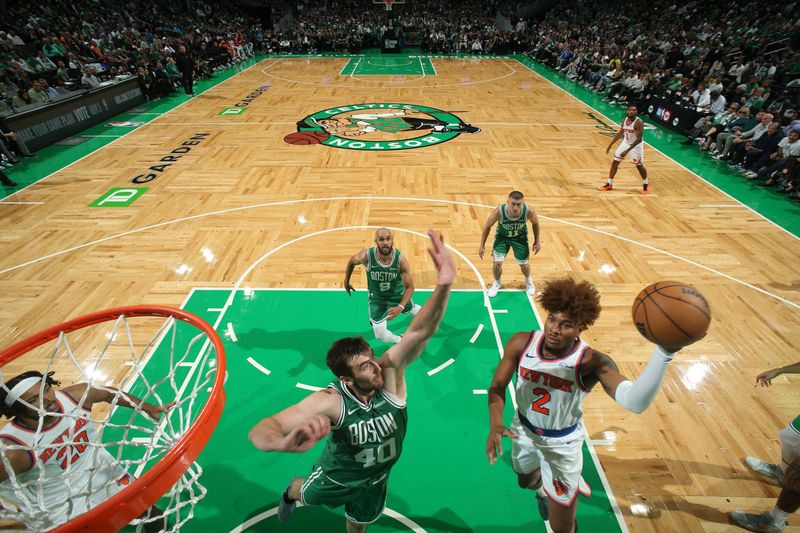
x: 494, y: 443
x: 442, y: 259
x: 306, y: 435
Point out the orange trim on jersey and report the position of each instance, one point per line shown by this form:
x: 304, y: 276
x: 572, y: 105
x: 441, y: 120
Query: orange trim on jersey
x: 578, y: 378
x: 540, y: 346
x: 19, y: 425
x: 73, y: 400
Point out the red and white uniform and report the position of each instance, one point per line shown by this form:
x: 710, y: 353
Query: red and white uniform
x: 549, y: 419
x: 629, y: 130
x: 71, y: 471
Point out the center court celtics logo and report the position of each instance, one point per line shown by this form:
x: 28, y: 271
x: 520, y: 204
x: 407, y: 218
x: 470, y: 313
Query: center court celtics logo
x: 379, y: 127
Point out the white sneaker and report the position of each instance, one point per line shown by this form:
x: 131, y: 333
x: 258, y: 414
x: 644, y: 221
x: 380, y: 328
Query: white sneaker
x: 530, y: 288
x: 772, y: 472
x: 493, y: 289
x: 415, y: 309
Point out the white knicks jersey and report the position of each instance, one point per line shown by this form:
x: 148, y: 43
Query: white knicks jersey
x: 549, y: 392
x: 69, y: 474
x: 630, y: 130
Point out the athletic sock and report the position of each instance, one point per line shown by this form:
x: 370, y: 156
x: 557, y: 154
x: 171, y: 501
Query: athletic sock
x: 610, y: 181
x: 540, y: 492
x: 778, y: 516
x: 286, y: 499
x: 644, y: 184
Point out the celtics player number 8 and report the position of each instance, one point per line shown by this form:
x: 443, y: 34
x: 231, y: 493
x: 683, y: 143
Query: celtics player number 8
x: 386, y: 452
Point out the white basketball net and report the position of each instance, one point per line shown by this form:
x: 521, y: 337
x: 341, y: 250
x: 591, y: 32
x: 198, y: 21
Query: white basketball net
x: 77, y: 469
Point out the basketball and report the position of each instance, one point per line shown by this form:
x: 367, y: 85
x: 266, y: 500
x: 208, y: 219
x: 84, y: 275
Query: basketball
x: 671, y: 314
x: 307, y: 137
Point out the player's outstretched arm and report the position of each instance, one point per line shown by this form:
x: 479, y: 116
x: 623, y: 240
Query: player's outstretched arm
x: 493, y: 219
x: 87, y: 396
x: 425, y: 323
x: 765, y: 378
x: 497, y: 395
x: 299, y: 427
x: 359, y: 259
x: 635, y: 396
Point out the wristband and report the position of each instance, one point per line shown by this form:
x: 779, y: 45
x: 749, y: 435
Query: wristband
x: 401, y: 307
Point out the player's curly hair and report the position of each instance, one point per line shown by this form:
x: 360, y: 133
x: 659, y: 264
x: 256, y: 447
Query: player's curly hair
x: 578, y: 300
x: 17, y: 408
x: 342, y: 351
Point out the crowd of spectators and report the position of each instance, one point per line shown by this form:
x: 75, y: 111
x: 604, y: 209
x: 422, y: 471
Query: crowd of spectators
x: 49, y: 49
x: 734, y: 64
x: 739, y: 66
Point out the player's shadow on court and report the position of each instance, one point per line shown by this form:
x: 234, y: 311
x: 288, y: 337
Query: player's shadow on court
x: 311, y: 344
x: 670, y: 472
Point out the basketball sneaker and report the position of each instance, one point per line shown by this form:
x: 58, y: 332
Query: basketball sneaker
x: 645, y: 192
x: 606, y: 187
x: 493, y: 289
x: 756, y: 522
x: 415, y: 309
x: 530, y: 288
x: 286, y: 506
x: 770, y: 471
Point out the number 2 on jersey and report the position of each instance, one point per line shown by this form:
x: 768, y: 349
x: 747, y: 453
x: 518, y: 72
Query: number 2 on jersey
x: 539, y: 403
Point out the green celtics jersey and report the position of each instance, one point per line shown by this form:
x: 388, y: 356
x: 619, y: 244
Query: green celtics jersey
x: 515, y: 228
x: 384, y: 282
x: 366, y: 441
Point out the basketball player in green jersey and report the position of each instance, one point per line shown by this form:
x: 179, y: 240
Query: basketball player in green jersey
x: 512, y: 232
x: 363, y: 410
x: 389, y: 283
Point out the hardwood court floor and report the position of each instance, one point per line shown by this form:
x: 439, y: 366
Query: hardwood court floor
x: 241, y: 192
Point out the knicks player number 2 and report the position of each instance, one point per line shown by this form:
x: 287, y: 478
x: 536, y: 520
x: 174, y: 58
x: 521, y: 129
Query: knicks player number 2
x: 539, y: 404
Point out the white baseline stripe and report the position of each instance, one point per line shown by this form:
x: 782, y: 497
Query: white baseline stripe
x: 441, y: 367
x: 499, y: 311
x: 258, y: 366
x: 480, y: 391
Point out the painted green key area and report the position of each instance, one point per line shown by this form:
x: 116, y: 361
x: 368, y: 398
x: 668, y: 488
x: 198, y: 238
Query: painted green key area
x: 442, y: 483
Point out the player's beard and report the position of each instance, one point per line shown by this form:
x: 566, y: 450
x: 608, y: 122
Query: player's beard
x: 388, y: 251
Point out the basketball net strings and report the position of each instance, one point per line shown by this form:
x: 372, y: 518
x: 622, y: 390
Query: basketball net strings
x: 139, y: 440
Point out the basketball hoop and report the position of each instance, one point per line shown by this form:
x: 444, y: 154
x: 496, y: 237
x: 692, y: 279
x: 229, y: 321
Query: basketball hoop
x: 389, y: 3
x: 166, y: 466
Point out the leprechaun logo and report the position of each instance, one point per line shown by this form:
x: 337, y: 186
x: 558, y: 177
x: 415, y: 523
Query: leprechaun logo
x: 379, y: 127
